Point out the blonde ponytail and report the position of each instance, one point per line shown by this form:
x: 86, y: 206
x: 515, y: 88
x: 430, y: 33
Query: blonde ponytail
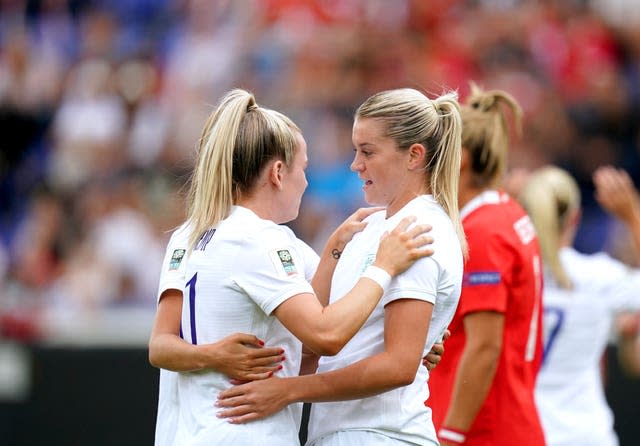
x: 485, y: 134
x: 549, y: 196
x: 238, y: 139
x: 446, y: 170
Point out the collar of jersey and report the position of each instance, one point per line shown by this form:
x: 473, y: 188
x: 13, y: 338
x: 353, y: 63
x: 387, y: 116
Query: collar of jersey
x: 486, y: 197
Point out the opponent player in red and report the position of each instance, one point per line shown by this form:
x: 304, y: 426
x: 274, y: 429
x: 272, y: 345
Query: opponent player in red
x: 482, y: 393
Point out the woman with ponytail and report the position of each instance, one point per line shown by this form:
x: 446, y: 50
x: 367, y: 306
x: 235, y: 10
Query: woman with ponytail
x: 583, y: 295
x: 483, y: 390
x: 244, y: 271
x: 407, y: 154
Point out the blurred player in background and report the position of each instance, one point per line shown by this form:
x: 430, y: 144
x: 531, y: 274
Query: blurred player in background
x: 583, y: 294
x: 482, y: 393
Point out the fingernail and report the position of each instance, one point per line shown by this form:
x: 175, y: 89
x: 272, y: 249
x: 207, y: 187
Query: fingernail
x: 261, y: 342
x: 282, y: 352
x: 270, y: 374
x: 280, y: 367
x: 283, y: 358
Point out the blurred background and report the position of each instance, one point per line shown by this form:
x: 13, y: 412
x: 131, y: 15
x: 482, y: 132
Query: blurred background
x: 101, y: 105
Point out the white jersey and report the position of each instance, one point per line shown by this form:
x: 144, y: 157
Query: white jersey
x: 400, y: 413
x: 577, y: 325
x: 172, y: 276
x: 237, y: 275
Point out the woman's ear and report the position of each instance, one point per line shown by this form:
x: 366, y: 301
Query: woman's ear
x: 417, y: 155
x: 275, y: 174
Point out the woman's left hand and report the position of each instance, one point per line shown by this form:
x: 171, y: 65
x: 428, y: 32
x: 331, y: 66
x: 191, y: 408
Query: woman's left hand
x: 253, y: 401
x: 353, y: 224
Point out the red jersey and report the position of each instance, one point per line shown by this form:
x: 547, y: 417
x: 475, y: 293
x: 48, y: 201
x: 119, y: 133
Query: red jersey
x: 503, y: 273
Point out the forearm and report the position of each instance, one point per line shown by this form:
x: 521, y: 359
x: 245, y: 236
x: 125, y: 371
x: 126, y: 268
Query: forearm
x: 325, y: 330
x: 341, y: 320
x: 368, y: 377
x: 633, y: 224
x: 321, y: 281
x: 474, y: 377
x: 169, y: 351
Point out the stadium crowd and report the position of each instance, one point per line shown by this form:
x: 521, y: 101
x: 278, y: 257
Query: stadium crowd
x: 101, y: 105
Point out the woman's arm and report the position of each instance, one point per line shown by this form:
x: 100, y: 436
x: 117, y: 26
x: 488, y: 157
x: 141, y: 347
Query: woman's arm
x: 476, y: 369
x: 628, y: 325
x: 405, y: 330
x: 617, y: 195
x: 326, y: 329
x: 239, y: 356
x: 333, y: 250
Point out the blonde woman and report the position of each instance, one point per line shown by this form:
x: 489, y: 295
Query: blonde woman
x: 245, y: 272
x: 407, y: 154
x: 583, y: 294
x: 483, y: 390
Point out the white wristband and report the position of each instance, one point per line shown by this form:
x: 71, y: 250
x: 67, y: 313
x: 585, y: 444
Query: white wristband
x: 452, y: 435
x: 378, y: 275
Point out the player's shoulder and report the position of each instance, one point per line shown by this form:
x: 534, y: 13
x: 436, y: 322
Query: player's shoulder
x: 590, y: 269
x: 180, y: 236
x: 265, y: 234
x: 425, y: 208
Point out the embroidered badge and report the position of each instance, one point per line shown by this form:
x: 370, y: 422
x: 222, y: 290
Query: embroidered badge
x: 481, y: 278
x: 287, y: 262
x: 176, y: 259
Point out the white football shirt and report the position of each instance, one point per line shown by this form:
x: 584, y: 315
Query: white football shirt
x: 576, y: 328
x: 236, y: 276
x: 399, y: 413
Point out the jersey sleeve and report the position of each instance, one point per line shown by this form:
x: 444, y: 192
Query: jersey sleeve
x: 311, y: 259
x: 271, y: 269
x: 172, y: 275
x: 419, y: 282
x: 486, y: 273
x: 622, y: 289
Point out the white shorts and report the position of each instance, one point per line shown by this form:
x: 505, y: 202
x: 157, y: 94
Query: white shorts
x: 358, y: 438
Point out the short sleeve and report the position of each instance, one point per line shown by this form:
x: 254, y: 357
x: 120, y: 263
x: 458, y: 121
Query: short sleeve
x: 419, y: 282
x: 486, y: 273
x: 172, y: 275
x: 622, y: 289
x: 270, y: 269
x: 311, y: 260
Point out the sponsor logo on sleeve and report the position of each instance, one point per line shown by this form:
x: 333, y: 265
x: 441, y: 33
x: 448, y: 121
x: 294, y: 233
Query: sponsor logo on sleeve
x: 176, y: 259
x: 481, y: 278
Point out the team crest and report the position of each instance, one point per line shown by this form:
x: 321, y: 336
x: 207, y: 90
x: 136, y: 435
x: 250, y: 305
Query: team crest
x: 176, y: 259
